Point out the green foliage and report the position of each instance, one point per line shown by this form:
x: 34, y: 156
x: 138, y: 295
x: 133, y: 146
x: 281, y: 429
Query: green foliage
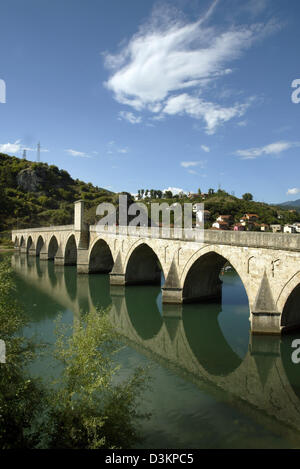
x: 20, y: 395
x: 248, y: 196
x: 50, y: 203
x: 90, y: 409
x: 87, y: 407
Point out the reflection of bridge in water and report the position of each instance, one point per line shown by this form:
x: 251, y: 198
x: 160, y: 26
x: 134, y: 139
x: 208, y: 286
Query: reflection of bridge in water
x: 262, y: 384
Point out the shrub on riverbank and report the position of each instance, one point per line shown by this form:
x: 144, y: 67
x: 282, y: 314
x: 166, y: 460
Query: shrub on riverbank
x: 87, y: 407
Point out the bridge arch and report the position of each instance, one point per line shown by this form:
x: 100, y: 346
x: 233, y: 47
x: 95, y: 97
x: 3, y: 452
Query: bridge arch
x: 22, y: 242
x: 142, y: 265
x: 52, y: 247
x: 29, y: 243
x: 16, y: 242
x: 70, y: 254
x: 100, y: 257
x: 288, y: 303
x: 200, y: 276
x: 39, y: 245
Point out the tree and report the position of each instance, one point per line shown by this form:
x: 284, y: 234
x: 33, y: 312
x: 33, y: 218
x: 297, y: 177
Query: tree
x: 211, y: 191
x: 247, y: 196
x: 199, y: 191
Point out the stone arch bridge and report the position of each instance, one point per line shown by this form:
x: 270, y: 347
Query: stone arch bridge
x: 268, y: 264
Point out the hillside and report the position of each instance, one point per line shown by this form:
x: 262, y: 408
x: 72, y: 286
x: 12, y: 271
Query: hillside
x: 292, y: 203
x: 36, y: 194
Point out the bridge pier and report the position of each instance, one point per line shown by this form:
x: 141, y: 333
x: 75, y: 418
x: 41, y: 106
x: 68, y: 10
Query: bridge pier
x: 82, y: 261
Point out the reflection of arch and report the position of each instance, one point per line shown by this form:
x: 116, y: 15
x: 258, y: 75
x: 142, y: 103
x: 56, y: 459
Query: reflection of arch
x: 200, y: 276
x: 70, y: 278
x: 100, y: 259
x: 99, y: 290
x: 52, y: 248
x: 71, y: 251
x: 143, y: 266
x: 290, y: 316
x: 207, y: 341
x: 29, y: 243
x: 291, y: 369
x: 144, y: 315
x: 39, y: 245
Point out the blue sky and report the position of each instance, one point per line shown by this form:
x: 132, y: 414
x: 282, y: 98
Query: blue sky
x: 131, y: 94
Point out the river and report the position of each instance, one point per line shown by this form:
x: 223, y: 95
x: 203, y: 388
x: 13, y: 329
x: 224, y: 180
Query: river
x: 213, y: 384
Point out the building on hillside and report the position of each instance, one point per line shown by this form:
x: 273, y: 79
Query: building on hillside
x: 225, y: 218
x: 276, y: 228
x: 238, y: 227
x: 264, y: 227
x: 289, y: 229
x: 297, y: 226
x: 251, y: 217
x: 221, y: 225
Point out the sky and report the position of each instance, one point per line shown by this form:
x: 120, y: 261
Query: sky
x: 132, y: 94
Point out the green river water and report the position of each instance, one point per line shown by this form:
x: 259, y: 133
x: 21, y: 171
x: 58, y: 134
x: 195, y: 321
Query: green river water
x: 213, y: 384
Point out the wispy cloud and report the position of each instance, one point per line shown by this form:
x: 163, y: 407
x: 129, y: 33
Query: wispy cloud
x: 293, y: 191
x: 11, y: 147
x: 167, y: 65
x: 81, y: 154
x: 175, y: 190
x: 113, y: 148
x: 271, y: 149
x: 129, y: 117
x: 205, y: 148
x: 17, y: 146
x: 190, y: 164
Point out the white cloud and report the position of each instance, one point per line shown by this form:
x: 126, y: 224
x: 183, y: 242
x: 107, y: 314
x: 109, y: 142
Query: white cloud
x: 130, y: 117
x: 293, y: 191
x: 165, y: 67
x: 175, y: 190
x: 205, y: 148
x: 11, y: 147
x: 271, y: 149
x: 213, y: 114
x: 189, y: 164
x: 81, y: 154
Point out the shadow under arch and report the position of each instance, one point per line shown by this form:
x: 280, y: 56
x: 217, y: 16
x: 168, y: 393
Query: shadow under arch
x: 70, y: 255
x: 29, y: 243
x: 206, y: 339
x: 143, y: 267
x: 100, y: 259
x: 39, y: 245
x: 52, y: 248
x: 22, y: 242
x: 290, y: 318
x: 144, y: 316
x: 202, y: 282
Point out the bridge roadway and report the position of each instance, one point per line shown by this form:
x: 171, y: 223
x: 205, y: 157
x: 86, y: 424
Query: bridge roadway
x: 268, y: 264
x: 261, y: 384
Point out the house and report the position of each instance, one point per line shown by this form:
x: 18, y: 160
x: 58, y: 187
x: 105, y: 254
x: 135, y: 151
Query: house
x: 297, y: 226
x: 264, y: 227
x: 226, y: 219
x: 276, y: 228
x: 221, y: 225
x: 238, y: 227
x: 251, y: 217
x: 206, y: 213
x: 289, y: 229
